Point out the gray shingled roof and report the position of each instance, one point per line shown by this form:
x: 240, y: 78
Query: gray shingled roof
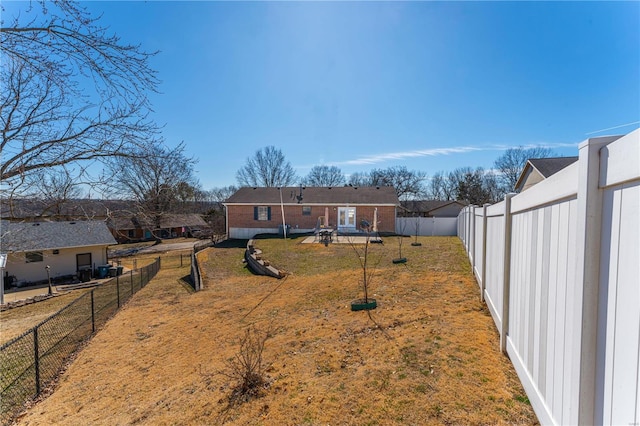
x: 551, y: 166
x: 369, y: 195
x: 425, y: 206
x: 30, y: 236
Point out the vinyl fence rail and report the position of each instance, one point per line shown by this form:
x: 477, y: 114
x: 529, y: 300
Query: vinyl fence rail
x: 29, y: 362
x: 558, y: 267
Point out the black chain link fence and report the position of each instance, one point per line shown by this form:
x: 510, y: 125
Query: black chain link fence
x: 29, y: 362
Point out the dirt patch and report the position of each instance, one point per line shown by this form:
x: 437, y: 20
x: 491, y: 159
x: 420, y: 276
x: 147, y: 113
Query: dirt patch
x: 427, y: 355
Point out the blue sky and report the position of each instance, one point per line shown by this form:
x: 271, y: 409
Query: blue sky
x: 428, y: 85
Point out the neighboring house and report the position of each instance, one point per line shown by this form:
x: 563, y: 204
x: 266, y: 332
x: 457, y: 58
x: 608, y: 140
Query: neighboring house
x: 66, y: 247
x: 132, y: 228
x: 538, y: 169
x: 431, y: 208
x: 257, y: 210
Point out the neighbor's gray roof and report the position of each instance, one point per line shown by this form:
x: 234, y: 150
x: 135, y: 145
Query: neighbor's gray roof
x: 30, y: 236
x: 425, y: 206
x: 370, y: 195
x: 551, y: 166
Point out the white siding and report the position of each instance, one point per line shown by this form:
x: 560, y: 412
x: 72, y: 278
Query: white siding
x: 63, y: 263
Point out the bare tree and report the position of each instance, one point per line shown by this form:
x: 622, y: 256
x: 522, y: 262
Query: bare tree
x: 215, y: 215
x: 474, y: 186
x: 154, y: 179
x: 220, y: 195
x: 512, y: 162
x: 324, y: 176
x: 71, y: 93
x: 54, y: 188
x: 360, y: 179
x: 267, y: 168
x: 407, y: 183
x: 441, y: 187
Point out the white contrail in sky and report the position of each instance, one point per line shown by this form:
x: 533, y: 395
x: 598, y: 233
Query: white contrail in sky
x: 378, y: 158
x: 614, y: 127
x: 433, y: 152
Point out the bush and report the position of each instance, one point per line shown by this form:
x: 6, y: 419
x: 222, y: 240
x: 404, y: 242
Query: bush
x: 248, y: 367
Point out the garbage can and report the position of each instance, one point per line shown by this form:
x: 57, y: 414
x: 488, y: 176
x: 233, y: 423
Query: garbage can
x: 113, y: 271
x: 281, y: 229
x: 120, y: 269
x: 103, y: 271
x: 84, y: 275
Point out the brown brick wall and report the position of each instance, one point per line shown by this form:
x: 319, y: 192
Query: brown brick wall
x: 242, y: 217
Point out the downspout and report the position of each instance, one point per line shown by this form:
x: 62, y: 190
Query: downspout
x: 226, y: 219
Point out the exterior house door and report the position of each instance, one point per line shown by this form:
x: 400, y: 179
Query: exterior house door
x: 83, y: 261
x: 347, y: 218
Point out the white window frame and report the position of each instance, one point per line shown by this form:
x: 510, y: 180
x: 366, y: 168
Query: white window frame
x: 263, y: 213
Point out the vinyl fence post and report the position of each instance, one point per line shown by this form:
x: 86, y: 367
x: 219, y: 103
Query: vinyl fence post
x: 472, y: 240
x: 506, y: 275
x: 36, y: 359
x: 588, y: 246
x: 483, y: 276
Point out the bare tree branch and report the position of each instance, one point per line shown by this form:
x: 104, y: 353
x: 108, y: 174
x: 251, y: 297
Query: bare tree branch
x: 73, y: 92
x: 267, y: 168
x: 324, y: 176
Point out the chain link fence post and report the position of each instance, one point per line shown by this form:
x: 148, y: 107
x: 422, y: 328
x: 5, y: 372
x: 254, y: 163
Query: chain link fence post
x: 36, y: 359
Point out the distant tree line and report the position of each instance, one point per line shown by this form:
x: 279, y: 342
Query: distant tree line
x: 269, y: 167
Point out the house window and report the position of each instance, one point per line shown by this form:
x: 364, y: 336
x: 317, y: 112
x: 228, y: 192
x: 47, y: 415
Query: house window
x: 131, y: 233
x: 262, y: 213
x: 306, y: 210
x: 33, y: 256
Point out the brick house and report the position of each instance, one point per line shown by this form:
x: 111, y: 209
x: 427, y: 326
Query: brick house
x: 258, y: 210
x: 126, y: 229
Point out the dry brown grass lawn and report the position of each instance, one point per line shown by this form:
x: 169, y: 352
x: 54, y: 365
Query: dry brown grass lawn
x: 14, y: 322
x: 427, y: 355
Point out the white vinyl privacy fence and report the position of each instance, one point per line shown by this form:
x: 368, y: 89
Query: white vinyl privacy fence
x: 559, y: 268
x: 427, y: 226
